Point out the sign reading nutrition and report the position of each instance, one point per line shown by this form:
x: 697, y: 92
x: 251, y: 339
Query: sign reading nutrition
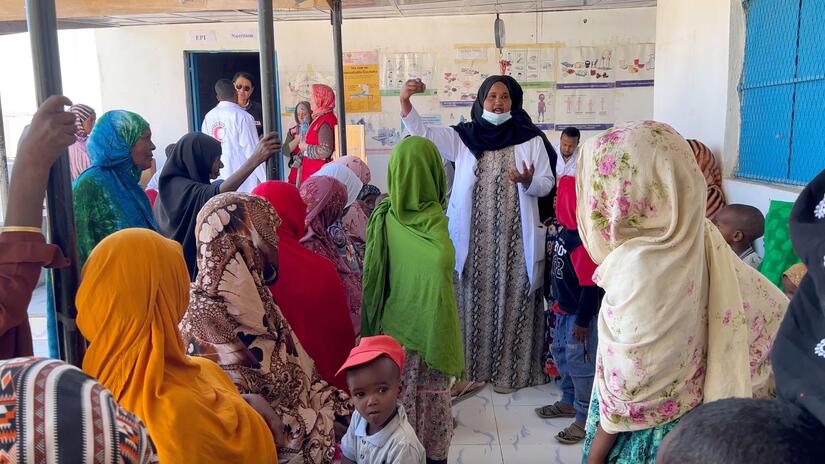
x: 362, y: 92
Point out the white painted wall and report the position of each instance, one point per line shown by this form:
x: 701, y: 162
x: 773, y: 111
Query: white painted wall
x: 79, y: 68
x: 692, y: 57
x: 142, y: 68
x: 699, y: 56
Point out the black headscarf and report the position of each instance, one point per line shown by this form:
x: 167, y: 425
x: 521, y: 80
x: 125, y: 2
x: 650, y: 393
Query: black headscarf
x: 184, y: 187
x: 799, y: 350
x: 479, y: 135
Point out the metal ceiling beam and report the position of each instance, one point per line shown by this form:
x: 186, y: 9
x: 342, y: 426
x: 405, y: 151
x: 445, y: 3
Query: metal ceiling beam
x: 15, y: 11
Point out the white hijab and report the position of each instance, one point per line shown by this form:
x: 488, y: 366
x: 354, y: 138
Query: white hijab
x: 346, y: 177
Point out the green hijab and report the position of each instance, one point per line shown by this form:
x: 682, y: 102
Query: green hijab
x: 409, y: 261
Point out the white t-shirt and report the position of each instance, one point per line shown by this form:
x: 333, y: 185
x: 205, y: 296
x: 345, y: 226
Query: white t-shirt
x: 396, y: 443
x: 234, y: 128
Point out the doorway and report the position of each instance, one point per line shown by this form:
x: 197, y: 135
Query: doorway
x: 204, y: 68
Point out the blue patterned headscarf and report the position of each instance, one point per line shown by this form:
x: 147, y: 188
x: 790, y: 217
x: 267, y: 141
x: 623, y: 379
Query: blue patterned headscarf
x: 108, y: 196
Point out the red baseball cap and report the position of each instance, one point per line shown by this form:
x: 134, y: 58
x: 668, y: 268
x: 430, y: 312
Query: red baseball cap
x: 373, y: 347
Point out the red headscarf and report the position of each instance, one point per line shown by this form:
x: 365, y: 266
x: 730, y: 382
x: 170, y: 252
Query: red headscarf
x: 324, y: 98
x: 309, y: 290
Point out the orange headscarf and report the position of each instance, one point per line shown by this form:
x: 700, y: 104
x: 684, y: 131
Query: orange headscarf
x: 134, y: 293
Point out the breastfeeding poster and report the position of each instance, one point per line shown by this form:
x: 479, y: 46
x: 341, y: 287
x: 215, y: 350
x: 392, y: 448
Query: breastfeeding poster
x: 362, y: 92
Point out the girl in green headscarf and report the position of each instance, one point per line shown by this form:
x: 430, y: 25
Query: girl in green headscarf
x: 408, y: 288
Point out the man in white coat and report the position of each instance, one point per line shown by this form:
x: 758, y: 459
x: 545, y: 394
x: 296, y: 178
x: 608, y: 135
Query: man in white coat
x: 234, y: 128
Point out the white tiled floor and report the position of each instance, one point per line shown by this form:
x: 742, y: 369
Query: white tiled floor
x: 504, y: 429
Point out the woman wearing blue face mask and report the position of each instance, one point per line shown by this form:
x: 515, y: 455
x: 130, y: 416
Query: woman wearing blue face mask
x: 503, y: 166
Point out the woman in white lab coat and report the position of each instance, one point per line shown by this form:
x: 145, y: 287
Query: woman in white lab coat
x: 503, y: 165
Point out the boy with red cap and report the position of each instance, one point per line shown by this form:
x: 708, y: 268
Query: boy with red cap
x: 378, y: 431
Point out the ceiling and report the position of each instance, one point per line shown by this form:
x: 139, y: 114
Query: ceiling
x: 353, y: 9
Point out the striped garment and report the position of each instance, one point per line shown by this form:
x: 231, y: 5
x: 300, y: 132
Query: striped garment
x: 78, y: 156
x: 52, y: 412
x: 713, y: 176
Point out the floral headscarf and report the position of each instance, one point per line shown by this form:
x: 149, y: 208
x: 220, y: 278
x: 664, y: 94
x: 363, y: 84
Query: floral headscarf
x: 703, y: 329
x: 233, y: 320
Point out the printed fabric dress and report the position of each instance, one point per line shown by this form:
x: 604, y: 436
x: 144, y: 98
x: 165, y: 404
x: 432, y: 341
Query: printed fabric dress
x: 52, y: 407
x: 502, y: 320
x: 233, y: 320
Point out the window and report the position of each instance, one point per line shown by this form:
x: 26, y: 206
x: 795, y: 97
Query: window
x: 782, y: 91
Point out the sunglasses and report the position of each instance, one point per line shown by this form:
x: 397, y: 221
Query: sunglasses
x: 245, y: 88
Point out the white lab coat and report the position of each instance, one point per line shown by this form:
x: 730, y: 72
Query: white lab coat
x: 460, y: 208
x: 566, y: 168
x: 231, y: 125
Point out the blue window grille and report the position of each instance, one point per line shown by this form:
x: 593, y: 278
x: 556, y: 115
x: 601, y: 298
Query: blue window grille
x: 782, y: 138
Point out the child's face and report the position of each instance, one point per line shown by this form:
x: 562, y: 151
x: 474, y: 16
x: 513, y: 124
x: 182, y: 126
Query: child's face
x: 724, y: 223
x: 375, y: 388
x: 370, y: 201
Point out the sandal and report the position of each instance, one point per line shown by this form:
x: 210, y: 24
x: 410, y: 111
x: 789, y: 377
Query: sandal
x: 504, y: 390
x: 553, y: 411
x: 571, y: 435
x: 469, y: 389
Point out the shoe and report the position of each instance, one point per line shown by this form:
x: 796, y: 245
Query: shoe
x: 504, y: 390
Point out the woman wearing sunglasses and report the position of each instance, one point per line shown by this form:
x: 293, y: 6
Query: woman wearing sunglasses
x: 245, y: 87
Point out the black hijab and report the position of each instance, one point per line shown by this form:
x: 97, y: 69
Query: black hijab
x: 184, y: 187
x: 799, y: 350
x: 479, y: 135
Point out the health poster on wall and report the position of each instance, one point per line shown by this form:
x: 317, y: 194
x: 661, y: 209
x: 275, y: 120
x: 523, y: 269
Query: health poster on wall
x: 461, y: 79
x: 381, y: 130
x: 297, y: 86
x: 398, y: 68
x: 585, y: 109
x: 540, y: 104
x: 529, y: 63
x: 586, y: 68
x: 635, y: 65
x: 362, y: 82
x: 472, y: 53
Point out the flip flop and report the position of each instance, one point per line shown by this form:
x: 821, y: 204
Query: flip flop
x: 553, y: 411
x: 471, y: 388
x: 571, y: 435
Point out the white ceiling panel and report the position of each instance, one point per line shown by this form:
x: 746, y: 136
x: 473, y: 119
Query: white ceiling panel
x: 356, y: 9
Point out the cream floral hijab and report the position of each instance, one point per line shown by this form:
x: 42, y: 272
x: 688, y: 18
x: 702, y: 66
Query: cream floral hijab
x: 683, y: 319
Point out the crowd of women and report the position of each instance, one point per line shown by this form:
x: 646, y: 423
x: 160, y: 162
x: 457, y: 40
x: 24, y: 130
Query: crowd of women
x: 217, y: 320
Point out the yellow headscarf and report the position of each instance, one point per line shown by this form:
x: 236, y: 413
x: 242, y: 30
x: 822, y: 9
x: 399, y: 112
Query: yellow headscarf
x: 683, y: 320
x: 134, y: 293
